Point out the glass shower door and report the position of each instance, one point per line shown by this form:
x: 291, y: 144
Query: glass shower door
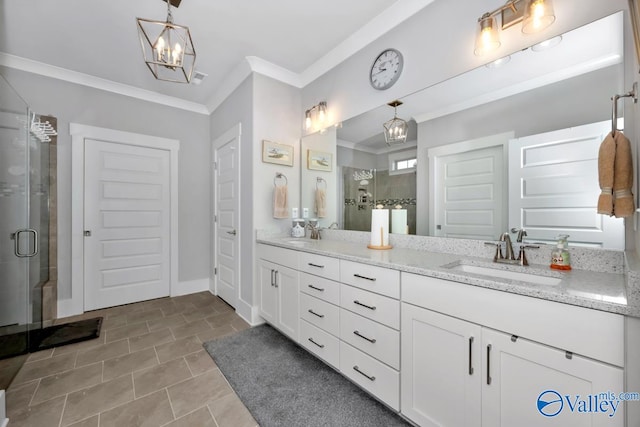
x: 15, y: 241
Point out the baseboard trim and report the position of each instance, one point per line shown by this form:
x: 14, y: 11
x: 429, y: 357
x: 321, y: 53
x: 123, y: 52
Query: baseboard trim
x: 249, y: 313
x: 4, y: 421
x: 190, y: 287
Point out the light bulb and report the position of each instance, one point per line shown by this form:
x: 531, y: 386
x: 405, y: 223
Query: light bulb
x: 538, y: 15
x: 160, y: 47
x: 176, y: 53
x: 488, y: 38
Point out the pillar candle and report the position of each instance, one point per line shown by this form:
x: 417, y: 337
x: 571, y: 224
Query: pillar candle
x: 379, y: 227
x: 399, y: 221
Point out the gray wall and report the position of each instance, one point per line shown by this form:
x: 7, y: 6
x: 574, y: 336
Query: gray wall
x: 238, y: 108
x: 72, y: 103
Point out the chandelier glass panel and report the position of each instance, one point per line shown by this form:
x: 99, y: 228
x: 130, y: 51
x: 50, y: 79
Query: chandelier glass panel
x: 167, y: 48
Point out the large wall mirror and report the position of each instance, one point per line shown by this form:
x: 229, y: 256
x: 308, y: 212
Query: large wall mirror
x: 511, y: 144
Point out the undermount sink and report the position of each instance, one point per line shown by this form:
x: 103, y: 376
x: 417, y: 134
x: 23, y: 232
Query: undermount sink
x: 537, y: 279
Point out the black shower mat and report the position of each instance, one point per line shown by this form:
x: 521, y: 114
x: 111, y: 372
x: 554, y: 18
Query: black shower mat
x: 66, y: 333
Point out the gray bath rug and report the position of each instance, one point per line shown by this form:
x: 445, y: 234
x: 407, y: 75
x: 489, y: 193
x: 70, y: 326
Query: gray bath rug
x: 283, y: 385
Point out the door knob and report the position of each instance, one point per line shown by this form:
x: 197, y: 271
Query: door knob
x: 233, y: 233
x: 87, y: 233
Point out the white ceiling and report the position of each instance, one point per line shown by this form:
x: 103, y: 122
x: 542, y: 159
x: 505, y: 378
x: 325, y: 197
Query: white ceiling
x: 99, y: 37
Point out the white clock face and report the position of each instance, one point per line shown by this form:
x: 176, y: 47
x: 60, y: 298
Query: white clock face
x: 386, y: 69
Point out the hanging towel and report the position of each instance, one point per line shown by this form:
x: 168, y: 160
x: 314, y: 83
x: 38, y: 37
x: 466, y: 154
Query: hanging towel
x: 606, y: 159
x: 623, y: 203
x: 280, y: 202
x: 321, y: 202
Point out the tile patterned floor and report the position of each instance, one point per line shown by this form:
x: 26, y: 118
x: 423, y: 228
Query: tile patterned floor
x: 147, y: 368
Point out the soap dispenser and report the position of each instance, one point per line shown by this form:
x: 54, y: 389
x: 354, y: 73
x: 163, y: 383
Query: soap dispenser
x: 560, y: 258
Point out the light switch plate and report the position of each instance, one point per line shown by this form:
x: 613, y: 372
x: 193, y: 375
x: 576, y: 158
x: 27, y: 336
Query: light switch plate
x: 305, y: 212
x: 294, y: 212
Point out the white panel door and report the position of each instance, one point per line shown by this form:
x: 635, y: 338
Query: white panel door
x: 127, y: 224
x: 554, y: 187
x: 227, y: 202
x: 468, y: 189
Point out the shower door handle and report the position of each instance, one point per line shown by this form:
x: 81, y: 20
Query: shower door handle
x: 16, y: 243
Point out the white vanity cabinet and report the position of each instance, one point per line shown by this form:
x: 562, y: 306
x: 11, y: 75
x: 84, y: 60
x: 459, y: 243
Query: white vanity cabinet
x: 369, y: 329
x: 460, y: 369
x: 279, y: 299
x: 441, y: 369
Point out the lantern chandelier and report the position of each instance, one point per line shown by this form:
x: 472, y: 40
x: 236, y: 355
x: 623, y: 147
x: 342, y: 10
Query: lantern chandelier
x: 395, y: 130
x: 167, y: 47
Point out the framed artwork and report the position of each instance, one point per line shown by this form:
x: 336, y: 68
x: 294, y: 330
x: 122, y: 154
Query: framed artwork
x: 280, y: 154
x: 319, y: 161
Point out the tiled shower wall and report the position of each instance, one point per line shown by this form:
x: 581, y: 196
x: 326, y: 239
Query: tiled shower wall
x: 388, y: 190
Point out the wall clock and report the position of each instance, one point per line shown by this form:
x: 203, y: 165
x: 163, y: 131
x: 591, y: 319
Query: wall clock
x: 386, y: 69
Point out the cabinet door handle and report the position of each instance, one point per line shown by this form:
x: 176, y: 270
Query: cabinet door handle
x: 489, y: 364
x: 272, y: 281
x: 315, y: 265
x: 370, y: 307
x: 370, y: 378
x: 316, y: 314
x: 470, y: 355
x: 373, y: 279
x: 319, y: 345
x: 275, y: 281
x: 371, y: 340
x: 317, y: 289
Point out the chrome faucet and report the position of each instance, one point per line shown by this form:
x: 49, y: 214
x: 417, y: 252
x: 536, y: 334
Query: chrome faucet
x: 509, y: 256
x: 331, y: 227
x: 506, y: 238
x: 315, y: 231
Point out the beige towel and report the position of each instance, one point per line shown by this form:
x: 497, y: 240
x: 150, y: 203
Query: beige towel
x: 606, y: 159
x: 623, y: 203
x: 280, y: 202
x: 321, y: 203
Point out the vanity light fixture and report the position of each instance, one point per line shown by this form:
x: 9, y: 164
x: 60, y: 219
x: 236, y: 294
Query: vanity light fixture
x: 535, y: 15
x: 316, y: 116
x: 395, y: 130
x: 167, y: 47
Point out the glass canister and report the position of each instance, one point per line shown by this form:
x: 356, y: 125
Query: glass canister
x: 297, y: 227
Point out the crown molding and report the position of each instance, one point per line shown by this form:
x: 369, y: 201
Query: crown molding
x: 390, y: 18
x: 40, y: 68
x: 373, y: 150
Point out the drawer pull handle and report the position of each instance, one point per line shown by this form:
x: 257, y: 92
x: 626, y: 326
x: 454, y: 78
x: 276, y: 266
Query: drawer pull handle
x: 371, y: 340
x: 370, y: 378
x: 315, y: 265
x: 373, y: 279
x: 370, y: 307
x: 470, y: 355
x: 316, y: 314
x: 319, y: 345
x: 317, y: 289
x: 489, y: 364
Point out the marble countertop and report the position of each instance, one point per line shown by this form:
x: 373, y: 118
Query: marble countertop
x: 594, y: 290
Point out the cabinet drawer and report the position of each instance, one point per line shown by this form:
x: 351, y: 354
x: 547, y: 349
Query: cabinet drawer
x: 372, y: 306
x: 375, y: 279
x: 278, y: 255
x: 320, y: 287
x: 375, y: 339
x: 373, y: 376
x: 320, y: 313
x: 319, y: 265
x: 320, y: 343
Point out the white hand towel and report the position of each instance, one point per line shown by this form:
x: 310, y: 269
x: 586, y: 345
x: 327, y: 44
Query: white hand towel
x: 280, y: 202
x: 321, y: 203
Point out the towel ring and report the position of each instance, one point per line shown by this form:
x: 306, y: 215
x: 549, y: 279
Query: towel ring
x: 280, y: 175
x: 633, y: 93
x: 319, y: 181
